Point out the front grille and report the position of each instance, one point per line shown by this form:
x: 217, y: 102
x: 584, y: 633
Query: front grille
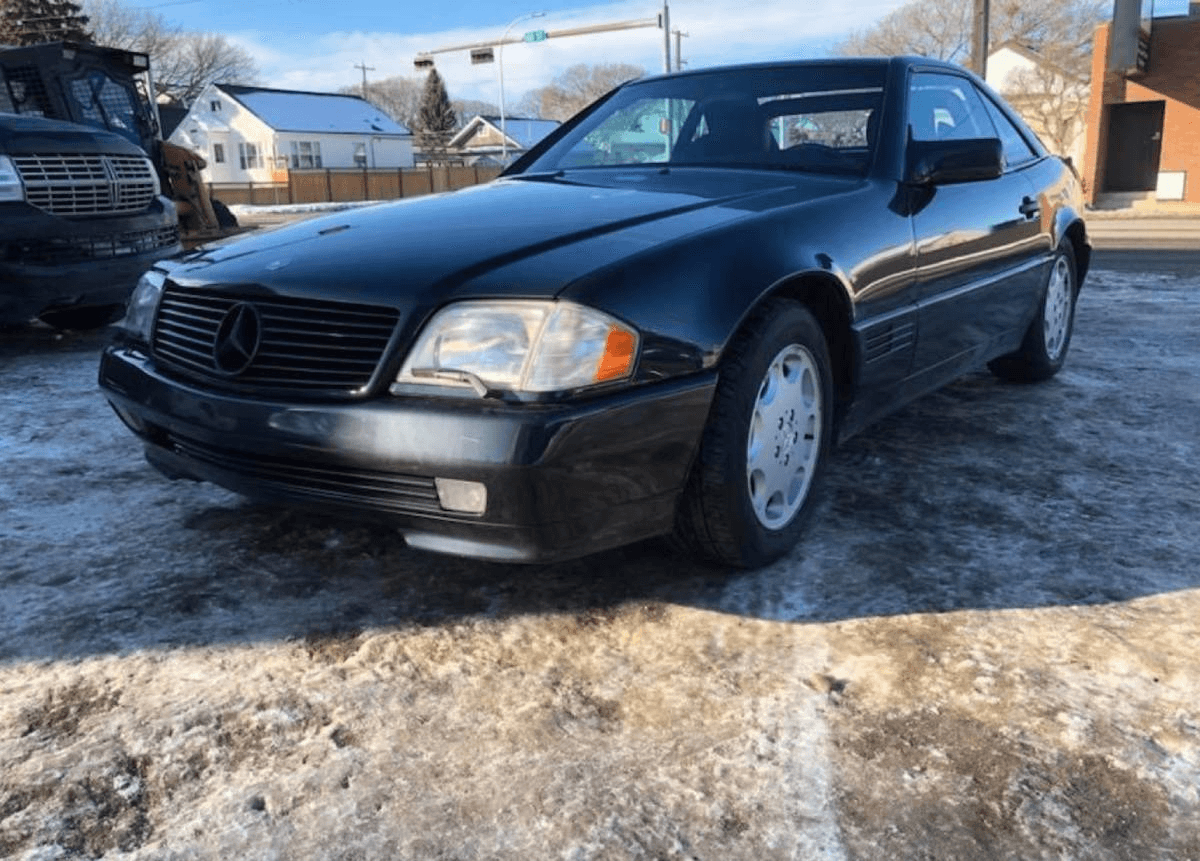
x: 87, y: 184
x: 346, y: 485
x: 60, y: 250
x: 305, y: 345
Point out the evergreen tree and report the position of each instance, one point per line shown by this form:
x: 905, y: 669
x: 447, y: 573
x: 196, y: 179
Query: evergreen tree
x: 436, y: 120
x: 28, y: 22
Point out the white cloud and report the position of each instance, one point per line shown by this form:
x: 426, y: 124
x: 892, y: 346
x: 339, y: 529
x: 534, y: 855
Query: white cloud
x: 720, y: 31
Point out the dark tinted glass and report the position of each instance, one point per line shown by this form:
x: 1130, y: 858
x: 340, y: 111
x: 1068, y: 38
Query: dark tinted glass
x: 946, y: 107
x: 1016, y: 150
x: 807, y: 118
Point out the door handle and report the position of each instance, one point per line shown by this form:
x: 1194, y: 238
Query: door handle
x: 1029, y: 208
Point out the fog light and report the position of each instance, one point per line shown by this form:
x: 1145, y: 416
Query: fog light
x: 466, y: 496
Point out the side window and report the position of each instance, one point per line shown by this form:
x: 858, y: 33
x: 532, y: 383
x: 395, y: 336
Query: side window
x: 219, y: 153
x: 1016, y: 150
x: 6, y: 105
x: 946, y: 107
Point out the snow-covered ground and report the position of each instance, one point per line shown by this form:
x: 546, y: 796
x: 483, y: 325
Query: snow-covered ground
x: 985, y: 648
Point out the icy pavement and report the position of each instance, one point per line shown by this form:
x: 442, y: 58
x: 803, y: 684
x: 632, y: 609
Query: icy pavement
x: 985, y: 648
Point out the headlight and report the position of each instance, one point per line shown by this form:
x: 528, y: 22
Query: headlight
x: 521, y: 346
x: 139, y: 312
x: 154, y: 176
x: 11, y: 187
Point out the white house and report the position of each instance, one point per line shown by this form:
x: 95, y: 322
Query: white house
x: 254, y: 134
x: 480, y: 141
x: 1052, y: 101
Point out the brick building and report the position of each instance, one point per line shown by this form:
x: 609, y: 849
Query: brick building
x: 1143, y: 128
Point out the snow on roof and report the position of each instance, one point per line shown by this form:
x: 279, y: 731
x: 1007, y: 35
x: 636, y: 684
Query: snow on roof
x: 523, y: 131
x: 295, y: 111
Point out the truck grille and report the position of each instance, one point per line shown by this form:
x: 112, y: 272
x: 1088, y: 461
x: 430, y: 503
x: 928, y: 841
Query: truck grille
x: 355, y: 486
x: 87, y: 184
x: 59, y: 250
x: 302, y: 345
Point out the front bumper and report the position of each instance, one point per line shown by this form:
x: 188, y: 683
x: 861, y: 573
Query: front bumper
x: 562, y: 480
x: 48, y: 262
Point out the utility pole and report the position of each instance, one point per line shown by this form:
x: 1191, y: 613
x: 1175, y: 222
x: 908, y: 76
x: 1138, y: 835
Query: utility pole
x: 679, y: 34
x: 365, y: 69
x: 500, y: 51
x: 665, y: 22
x: 979, y: 45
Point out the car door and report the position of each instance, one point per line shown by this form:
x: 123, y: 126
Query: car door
x: 977, y: 243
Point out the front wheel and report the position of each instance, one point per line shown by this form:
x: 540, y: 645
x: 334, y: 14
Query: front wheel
x: 1044, y: 348
x: 752, y: 486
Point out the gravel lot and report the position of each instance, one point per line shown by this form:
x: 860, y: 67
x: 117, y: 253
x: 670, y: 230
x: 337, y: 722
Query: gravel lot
x: 986, y: 647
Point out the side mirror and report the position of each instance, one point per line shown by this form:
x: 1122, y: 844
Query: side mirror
x: 951, y: 161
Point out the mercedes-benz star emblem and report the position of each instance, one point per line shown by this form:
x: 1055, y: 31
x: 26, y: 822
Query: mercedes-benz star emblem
x: 237, y: 340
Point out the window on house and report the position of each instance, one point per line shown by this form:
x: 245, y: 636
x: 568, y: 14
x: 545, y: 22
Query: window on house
x: 215, y: 106
x: 249, y: 156
x: 219, y: 153
x: 360, y: 155
x: 306, y: 154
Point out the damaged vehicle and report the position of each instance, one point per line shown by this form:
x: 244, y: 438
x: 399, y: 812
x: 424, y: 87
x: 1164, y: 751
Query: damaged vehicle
x: 659, y: 320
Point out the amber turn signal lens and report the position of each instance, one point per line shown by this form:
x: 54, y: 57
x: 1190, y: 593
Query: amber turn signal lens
x: 618, y: 355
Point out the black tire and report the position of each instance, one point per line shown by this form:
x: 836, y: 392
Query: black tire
x: 81, y: 319
x: 1044, y: 348
x: 225, y: 218
x: 720, y: 517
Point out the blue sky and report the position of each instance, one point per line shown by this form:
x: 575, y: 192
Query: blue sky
x: 314, y: 44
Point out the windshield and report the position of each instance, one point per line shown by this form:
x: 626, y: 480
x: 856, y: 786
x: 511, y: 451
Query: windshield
x: 106, y: 103
x: 817, y: 118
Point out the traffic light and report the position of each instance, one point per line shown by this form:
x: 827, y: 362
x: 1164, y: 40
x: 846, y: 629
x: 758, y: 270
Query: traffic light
x: 423, y: 61
x: 482, y: 55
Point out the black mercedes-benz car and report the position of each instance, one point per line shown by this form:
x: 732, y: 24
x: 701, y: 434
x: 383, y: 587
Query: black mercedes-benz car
x: 656, y: 321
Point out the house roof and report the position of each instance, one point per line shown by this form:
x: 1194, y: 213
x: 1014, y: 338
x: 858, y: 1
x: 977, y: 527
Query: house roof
x: 1029, y: 54
x: 522, y: 132
x: 297, y: 111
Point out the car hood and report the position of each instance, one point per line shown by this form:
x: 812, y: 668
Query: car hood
x: 27, y: 135
x: 443, y: 246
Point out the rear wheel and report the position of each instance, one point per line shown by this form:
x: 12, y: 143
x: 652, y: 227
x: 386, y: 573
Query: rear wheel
x: 1044, y: 348
x: 751, y: 489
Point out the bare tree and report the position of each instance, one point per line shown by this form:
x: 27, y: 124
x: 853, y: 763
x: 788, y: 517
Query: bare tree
x: 115, y: 25
x: 1052, y: 100
x: 1060, y: 30
x: 576, y: 88
x: 465, y: 109
x: 183, y: 62
x: 398, y: 97
x: 929, y: 28
x: 199, y: 59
